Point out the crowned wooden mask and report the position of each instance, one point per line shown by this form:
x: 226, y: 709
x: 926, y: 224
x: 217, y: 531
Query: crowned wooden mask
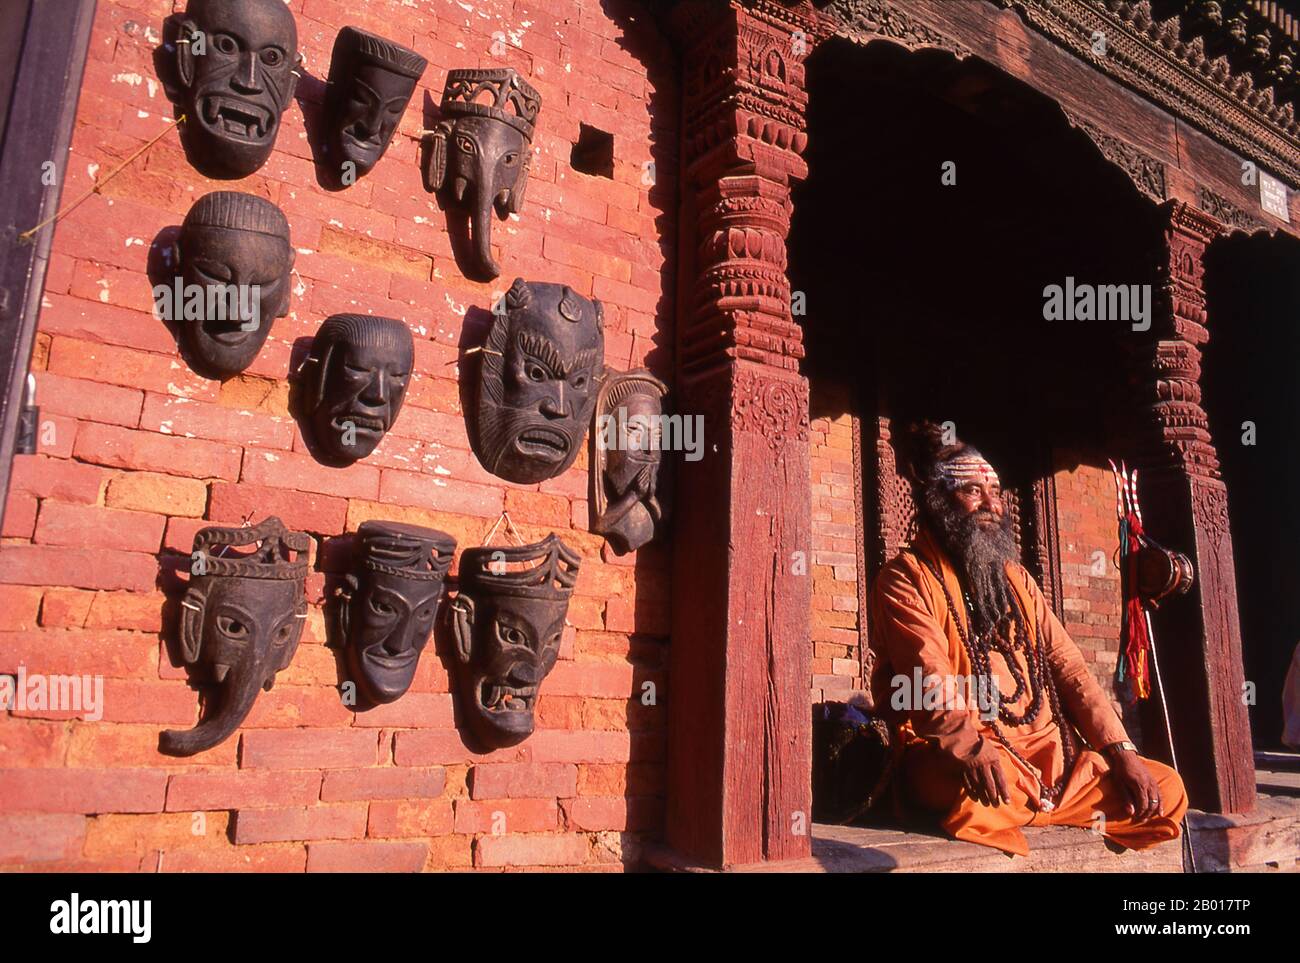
x: 241, y: 619
x: 389, y: 602
x: 508, y: 619
x: 479, y: 152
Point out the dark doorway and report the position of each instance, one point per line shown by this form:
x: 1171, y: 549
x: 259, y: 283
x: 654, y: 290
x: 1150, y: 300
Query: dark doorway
x: 1250, y: 378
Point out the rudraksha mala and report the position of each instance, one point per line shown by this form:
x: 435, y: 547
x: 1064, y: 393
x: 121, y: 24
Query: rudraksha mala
x: 1040, y: 680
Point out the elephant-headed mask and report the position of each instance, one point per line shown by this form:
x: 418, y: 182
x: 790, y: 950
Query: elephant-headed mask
x: 241, y: 619
x: 627, y: 443
x: 507, y: 620
x: 479, y: 152
x: 541, y: 365
x: 236, y: 62
x: 356, y: 376
x: 388, y: 604
x: 371, y: 82
x: 234, y: 256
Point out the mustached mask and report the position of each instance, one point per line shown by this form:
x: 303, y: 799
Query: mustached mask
x: 371, y: 82
x: 541, y: 366
x: 356, y: 375
x: 627, y: 443
x: 234, y: 256
x: 235, y: 60
x: 389, y: 603
x: 479, y: 152
x: 507, y: 620
x: 241, y: 619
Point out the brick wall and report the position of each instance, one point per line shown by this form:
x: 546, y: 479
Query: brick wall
x: 836, y: 665
x: 143, y: 453
x: 1085, y: 510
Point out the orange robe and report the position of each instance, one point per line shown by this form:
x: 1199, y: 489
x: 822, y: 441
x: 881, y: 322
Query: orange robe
x: 913, y: 628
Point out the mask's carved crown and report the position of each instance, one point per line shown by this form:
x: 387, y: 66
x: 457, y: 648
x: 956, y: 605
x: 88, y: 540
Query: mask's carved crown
x: 238, y: 212
x: 514, y: 100
x: 271, y: 559
x: 407, y: 551
x: 551, y: 575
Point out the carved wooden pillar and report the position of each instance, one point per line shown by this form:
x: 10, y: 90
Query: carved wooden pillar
x: 739, y: 767
x: 1198, y: 636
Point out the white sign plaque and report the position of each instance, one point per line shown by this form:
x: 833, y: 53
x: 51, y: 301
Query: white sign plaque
x: 1272, y: 197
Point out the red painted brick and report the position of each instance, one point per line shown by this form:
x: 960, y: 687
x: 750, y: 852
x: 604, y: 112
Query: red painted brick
x: 522, y: 780
x: 41, y: 838
x: 341, y: 821
x: 60, y: 523
x: 82, y: 790
x: 128, y: 367
x: 612, y: 813
x: 413, y: 710
x: 530, y: 850
x: 20, y: 515
x: 501, y: 816
x: 123, y: 655
x: 199, y: 419
x: 285, y: 469
x: 308, y: 749
x: 55, y: 478
x: 431, y: 491
x: 405, y: 817
x: 366, y: 857
x: 438, y: 747
x: 21, y: 604
x: 82, y: 568
x: 124, y: 448
x: 300, y: 511
x: 88, y: 400
x: 555, y: 745
x: 267, y: 858
x: 383, y: 783
x: 188, y: 792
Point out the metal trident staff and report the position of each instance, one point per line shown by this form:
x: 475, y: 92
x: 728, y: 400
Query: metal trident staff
x: 1132, y: 536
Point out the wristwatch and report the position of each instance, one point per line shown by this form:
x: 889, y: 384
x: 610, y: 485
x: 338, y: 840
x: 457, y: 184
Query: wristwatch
x: 1124, y: 746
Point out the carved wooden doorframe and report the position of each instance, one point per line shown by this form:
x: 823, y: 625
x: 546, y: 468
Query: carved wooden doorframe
x: 739, y: 742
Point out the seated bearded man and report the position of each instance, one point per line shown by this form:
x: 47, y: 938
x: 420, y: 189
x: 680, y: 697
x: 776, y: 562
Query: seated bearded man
x: 957, y: 605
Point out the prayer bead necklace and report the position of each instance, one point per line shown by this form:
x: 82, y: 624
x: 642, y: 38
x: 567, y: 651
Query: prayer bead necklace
x: 978, y: 650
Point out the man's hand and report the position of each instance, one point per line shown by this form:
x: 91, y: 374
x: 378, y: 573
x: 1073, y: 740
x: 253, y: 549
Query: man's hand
x: 1139, y: 785
x: 981, y: 774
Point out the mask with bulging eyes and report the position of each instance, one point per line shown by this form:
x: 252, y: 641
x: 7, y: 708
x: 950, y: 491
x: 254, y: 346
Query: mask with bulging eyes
x: 356, y: 375
x: 540, y: 368
x: 235, y: 60
x: 241, y: 619
x: 371, y: 82
x: 389, y: 603
x: 508, y: 621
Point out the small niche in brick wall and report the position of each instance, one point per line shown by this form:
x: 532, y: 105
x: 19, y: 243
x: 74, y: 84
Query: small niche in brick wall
x: 594, y: 152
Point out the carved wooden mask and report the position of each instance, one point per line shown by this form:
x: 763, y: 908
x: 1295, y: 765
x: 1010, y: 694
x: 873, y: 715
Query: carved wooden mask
x: 236, y: 247
x: 356, y: 377
x: 389, y: 603
x: 241, y: 618
x: 235, y: 60
x: 540, y: 369
x: 371, y: 82
x: 508, y: 619
x: 479, y: 152
x: 627, y: 459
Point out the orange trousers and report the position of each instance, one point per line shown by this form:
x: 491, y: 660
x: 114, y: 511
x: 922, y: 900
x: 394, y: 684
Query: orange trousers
x: 1090, y: 790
